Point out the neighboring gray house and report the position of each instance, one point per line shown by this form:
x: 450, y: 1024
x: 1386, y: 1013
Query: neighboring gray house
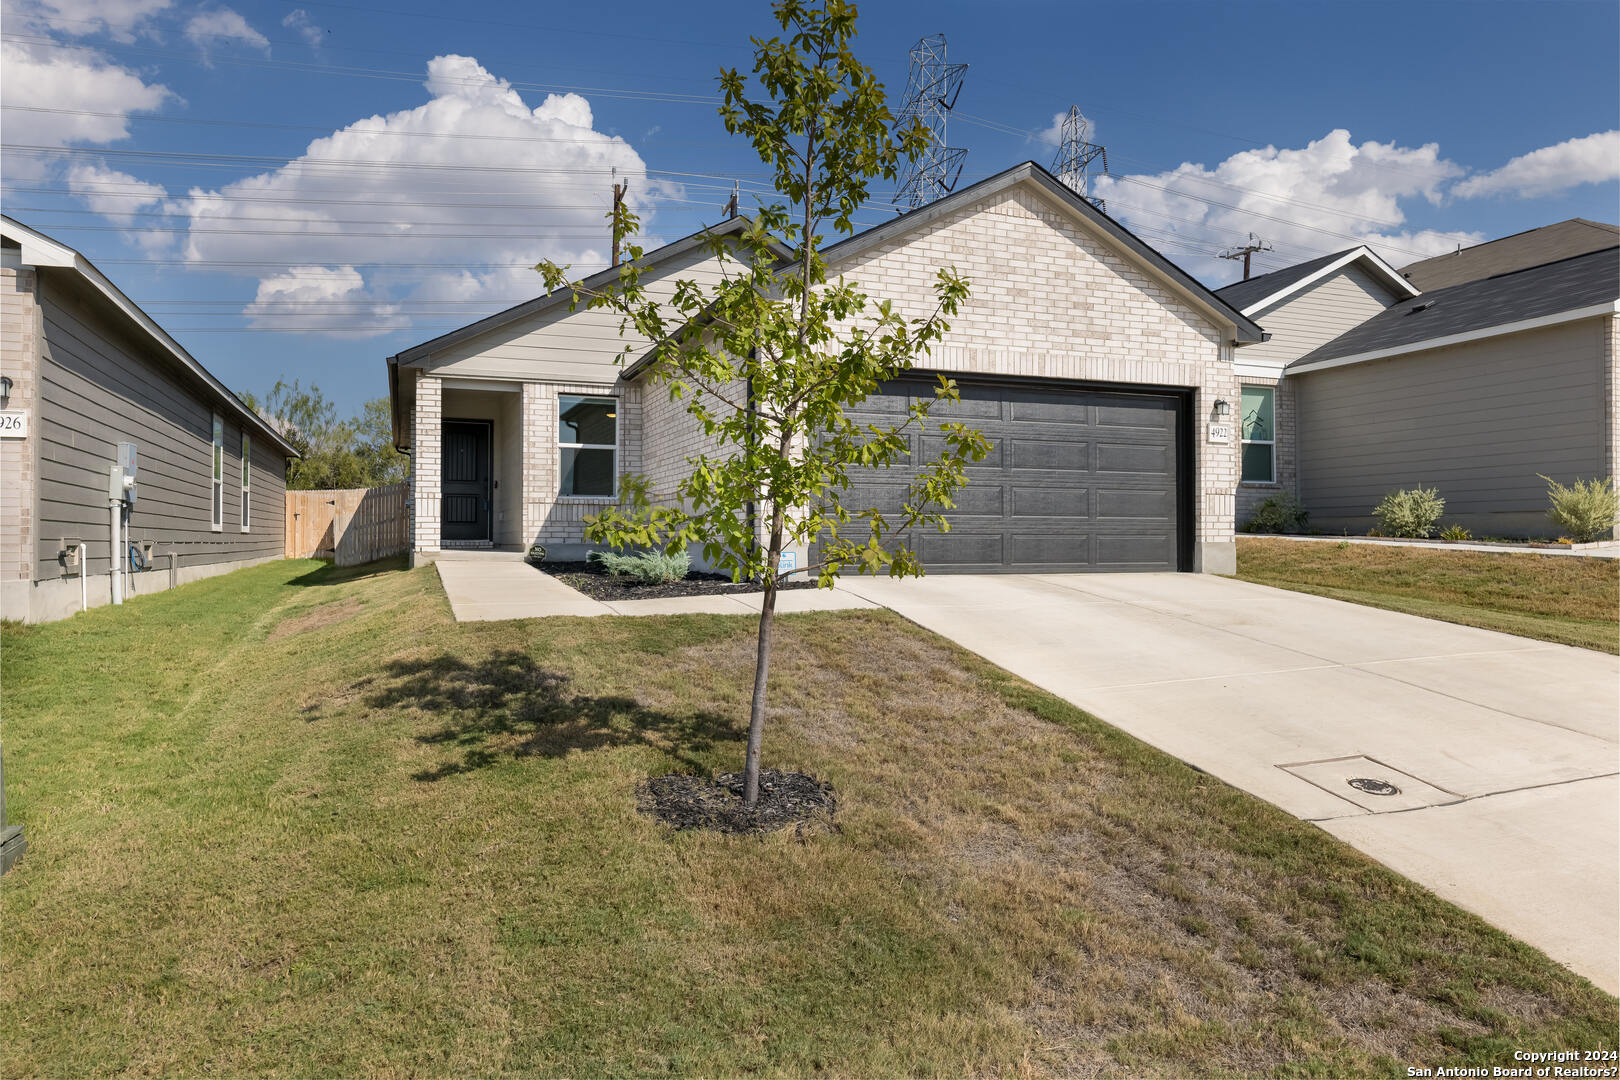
x: 1502, y: 370
x: 1097, y: 366
x: 86, y: 369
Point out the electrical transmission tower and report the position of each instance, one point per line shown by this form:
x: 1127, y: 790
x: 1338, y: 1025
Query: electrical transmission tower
x: 931, y: 89
x: 1076, y: 154
x: 1244, y: 251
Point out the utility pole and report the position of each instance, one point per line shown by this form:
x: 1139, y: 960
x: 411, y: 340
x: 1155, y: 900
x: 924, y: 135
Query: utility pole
x: 619, y: 192
x: 1244, y: 251
x: 731, y: 203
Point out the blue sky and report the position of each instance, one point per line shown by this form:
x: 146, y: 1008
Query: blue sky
x: 301, y: 189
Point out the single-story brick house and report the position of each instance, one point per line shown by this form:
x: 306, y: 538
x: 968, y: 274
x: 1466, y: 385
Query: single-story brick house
x: 84, y: 370
x: 1502, y: 372
x: 1104, y: 374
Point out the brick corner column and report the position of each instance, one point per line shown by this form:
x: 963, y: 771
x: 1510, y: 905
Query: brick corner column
x: 427, y: 460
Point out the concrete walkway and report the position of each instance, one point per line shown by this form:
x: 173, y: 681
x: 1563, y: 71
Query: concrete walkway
x: 484, y: 586
x: 1504, y: 750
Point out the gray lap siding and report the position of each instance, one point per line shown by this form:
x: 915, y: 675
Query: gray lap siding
x: 99, y: 386
x: 1477, y: 421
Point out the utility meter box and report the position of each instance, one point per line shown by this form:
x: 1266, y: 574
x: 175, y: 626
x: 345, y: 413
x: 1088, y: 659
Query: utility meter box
x: 121, y: 477
x: 72, y: 553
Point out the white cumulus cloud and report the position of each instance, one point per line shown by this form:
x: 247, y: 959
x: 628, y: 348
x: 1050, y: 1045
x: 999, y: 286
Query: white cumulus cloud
x: 475, y: 177
x: 298, y: 19
x: 1592, y: 159
x: 329, y: 300
x: 97, y: 95
x: 1328, y: 195
x: 121, y: 20
x: 212, y: 29
x: 110, y: 193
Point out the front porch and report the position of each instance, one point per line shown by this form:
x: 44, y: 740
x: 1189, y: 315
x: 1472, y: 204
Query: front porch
x: 503, y: 464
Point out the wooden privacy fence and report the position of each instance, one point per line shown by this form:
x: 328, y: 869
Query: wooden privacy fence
x: 349, y: 526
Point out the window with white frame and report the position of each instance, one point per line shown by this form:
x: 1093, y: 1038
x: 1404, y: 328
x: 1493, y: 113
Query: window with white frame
x: 588, y: 442
x: 217, y: 522
x: 1259, y: 435
x: 247, y: 477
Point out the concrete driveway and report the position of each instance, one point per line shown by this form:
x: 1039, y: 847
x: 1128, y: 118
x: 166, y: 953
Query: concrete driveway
x: 1504, y: 751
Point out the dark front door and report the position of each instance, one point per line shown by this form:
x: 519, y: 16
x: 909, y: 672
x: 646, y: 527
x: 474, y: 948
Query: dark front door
x: 465, y: 481
x: 1079, y: 479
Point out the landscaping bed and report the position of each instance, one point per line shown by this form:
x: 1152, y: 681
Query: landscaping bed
x: 1573, y: 601
x: 596, y: 583
x: 335, y: 833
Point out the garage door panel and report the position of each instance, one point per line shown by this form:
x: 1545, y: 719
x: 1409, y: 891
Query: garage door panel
x: 1151, y: 416
x: 1055, y: 454
x: 1145, y: 458
x: 960, y: 549
x: 1072, y: 413
x: 935, y: 446
x: 1136, y: 504
x: 1051, y: 502
x: 1136, y: 551
x: 1075, y: 480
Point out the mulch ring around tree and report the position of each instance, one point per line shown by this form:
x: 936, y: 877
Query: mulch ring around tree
x: 598, y: 584
x: 786, y: 799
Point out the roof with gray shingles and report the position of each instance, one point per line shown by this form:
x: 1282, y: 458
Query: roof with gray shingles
x: 1534, y: 247
x: 1241, y: 294
x: 1567, y: 285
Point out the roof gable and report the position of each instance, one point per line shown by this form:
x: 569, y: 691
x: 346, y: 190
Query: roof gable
x: 1120, y: 238
x: 1257, y: 294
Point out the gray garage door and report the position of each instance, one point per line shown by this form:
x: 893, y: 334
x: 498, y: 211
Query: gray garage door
x: 1077, y: 480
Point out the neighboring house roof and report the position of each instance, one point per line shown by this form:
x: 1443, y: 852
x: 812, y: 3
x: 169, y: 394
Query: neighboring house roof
x: 1244, y: 330
x: 1533, y: 247
x: 39, y: 250
x: 1575, y: 288
x: 1261, y: 292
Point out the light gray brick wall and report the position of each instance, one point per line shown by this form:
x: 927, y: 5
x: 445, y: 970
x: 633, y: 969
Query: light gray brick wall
x: 20, y: 333
x: 426, y: 461
x: 1052, y: 300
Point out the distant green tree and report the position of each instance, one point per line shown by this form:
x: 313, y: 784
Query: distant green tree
x: 334, y: 451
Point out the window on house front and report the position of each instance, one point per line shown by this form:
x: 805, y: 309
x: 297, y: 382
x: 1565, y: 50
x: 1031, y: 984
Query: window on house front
x: 1259, y: 435
x: 588, y: 439
x: 247, y: 476
x: 217, y: 522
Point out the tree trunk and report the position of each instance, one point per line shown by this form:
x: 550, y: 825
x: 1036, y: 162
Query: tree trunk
x: 762, y: 666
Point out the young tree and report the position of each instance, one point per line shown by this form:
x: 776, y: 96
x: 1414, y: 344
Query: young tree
x: 767, y: 360
x: 333, y: 451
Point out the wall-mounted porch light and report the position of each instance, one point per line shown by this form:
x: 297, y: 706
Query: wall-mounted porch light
x: 1223, y: 408
x: 5, y: 391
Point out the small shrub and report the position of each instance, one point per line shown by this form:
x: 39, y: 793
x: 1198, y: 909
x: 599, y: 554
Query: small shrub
x: 1278, y: 514
x: 1410, y: 514
x: 1456, y: 533
x: 647, y: 567
x: 1585, y: 510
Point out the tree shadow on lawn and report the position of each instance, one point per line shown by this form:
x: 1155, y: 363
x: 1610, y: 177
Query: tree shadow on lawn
x: 508, y: 706
x: 331, y: 574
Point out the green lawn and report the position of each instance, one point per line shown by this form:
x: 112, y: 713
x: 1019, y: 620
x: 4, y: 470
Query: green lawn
x: 1573, y: 601
x: 296, y: 821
